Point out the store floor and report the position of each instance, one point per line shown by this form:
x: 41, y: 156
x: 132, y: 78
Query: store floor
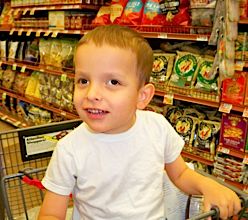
x: 4, y: 126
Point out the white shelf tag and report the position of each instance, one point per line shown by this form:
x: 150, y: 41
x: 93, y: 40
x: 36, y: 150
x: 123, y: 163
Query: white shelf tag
x: 168, y: 99
x: 245, y: 112
x: 224, y: 150
x: 225, y: 107
x: 23, y: 69
x: 162, y: 35
x: 202, y: 38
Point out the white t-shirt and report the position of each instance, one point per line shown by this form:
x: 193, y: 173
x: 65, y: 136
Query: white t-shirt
x: 115, y: 176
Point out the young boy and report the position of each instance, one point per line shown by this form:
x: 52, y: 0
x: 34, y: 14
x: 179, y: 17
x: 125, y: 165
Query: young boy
x: 113, y: 163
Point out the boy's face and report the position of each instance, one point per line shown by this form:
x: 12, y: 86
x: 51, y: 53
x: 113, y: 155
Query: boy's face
x: 106, y: 92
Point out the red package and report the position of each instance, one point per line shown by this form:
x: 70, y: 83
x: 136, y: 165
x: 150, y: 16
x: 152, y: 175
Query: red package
x: 103, y: 16
x: 116, y: 9
x: 152, y: 14
x: 132, y: 14
x: 233, y: 89
x: 176, y: 12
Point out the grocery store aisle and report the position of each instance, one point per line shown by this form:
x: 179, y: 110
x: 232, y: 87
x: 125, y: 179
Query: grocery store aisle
x: 4, y: 126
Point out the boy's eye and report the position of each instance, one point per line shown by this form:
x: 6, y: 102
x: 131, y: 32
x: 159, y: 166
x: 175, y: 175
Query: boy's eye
x: 113, y: 82
x: 82, y: 81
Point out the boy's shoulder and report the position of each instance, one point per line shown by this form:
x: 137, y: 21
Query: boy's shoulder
x: 150, y: 117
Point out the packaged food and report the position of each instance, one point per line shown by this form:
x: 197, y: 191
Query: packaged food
x: 206, y: 77
x: 8, y: 78
x: 176, y: 12
x: 184, y: 69
x: 152, y: 14
x: 21, y: 81
x: 32, y: 52
x: 233, y: 89
x: 116, y: 9
x: 13, y: 45
x: 185, y: 126
x: 207, y: 136
x: 233, y: 131
x: 162, y: 66
x: 132, y: 14
x: 172, y: 113
x: 3, y: 50
x: 103, y: 16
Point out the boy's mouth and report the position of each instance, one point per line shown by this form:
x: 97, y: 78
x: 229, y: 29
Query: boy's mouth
x: 96, y: 111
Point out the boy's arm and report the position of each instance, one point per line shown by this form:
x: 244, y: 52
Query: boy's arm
x: 54, y: 207
x: 193, y: 183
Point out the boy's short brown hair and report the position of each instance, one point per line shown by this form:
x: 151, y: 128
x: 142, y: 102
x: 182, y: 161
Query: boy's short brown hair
x: 125, y: 38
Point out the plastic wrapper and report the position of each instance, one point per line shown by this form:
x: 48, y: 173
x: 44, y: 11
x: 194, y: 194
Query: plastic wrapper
x: 3, y: 50
x: 233, y: 89
x: 162, y: 66
x: 55, y: 54
x: 116, y: 9
x: 185, y: 126
x: 172, y: 113
x: 132, y: 14
x: 176, y: 12
x: 21, y: 51
x: 241, y: 46
x: 152, y: 14
x: 45, y: 85
x: 44, y: 47
x: 206, y: 78
x: 67, y: 54
x: 33, y: 85
x: 194, y: 113
x: 184, y: 70
x: 207, y: 136
x: 67, y: 94
x: 32, y: 52
x: 21, y: 81
x: 103, y: 16
x: 8, y: 78
x: 13, y: 45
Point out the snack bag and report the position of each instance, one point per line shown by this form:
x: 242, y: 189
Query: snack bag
x: 175, y: 11
x: 132, y: 14
x: 103, y: 16
x: 185, y: 68
x: 152, y: 14
x: 206, y: 78
x: 162, y: 66
x: 116, y: 9
x: 233, y: 89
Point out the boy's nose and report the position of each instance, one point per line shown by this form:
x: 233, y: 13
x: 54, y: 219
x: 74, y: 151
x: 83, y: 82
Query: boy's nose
x: 94, y: 92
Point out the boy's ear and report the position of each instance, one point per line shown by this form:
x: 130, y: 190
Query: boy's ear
x: 146, y: 93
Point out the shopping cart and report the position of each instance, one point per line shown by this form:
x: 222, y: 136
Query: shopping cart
x: 23, y: 150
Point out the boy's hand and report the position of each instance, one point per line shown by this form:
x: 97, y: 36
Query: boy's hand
x: 225, y: 199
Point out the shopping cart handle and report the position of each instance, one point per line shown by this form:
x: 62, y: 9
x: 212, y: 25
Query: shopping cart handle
x: 214, y: 213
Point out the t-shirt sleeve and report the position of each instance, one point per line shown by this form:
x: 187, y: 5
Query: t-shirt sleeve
x: 59, y: 177
x: 173, y: 143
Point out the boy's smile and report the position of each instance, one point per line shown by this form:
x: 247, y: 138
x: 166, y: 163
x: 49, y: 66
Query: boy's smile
x: 106, y: 87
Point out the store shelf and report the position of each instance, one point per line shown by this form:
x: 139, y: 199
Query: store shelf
x: 234, y: 153
x: 40, y: 68
x: 197, y: 158
x: 243, y: 21
x: 8, y: 117
x: 189, y: 98
x: 39, y: 103
x: 33, y: 8
x: 161, y: 33
x: 235, y: 184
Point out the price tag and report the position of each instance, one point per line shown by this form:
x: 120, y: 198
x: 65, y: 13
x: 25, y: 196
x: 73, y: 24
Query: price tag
x: 14, y: 66
x: 245, y: 112
x: 224, y: 150
x: 168, y: 99
x: 11, y: 31
x: 245, y: 160
x: 16, y: 12
x: 63, y: 113
x: 25, y: 11
x: 63, y: 77
x: 29, y: 32
x: 47, y: 33
x: 55, y: 34
x: 225, y: 107
x: 32, y: 11
x: 42, y: 70
x: 76, y: 32
x: 239, y: 65
x: 20, y: 32
x: 202, y: 38
x: 23, y: 69
x: 163, y: 36
x: 4, y: 95
x: 220, y: 178
x: 37, y: 34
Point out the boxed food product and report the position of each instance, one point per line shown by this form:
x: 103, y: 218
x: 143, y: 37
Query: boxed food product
x: 56, y: 20
x: 233, y: 131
